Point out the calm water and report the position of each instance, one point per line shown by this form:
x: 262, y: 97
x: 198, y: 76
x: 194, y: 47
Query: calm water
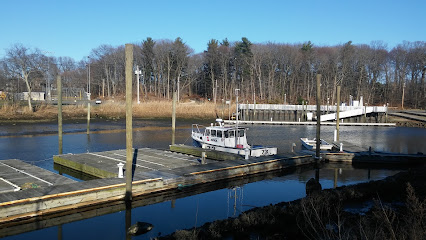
x: 216, y: 201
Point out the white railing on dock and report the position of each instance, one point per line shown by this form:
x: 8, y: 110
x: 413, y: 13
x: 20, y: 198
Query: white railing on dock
x: 345, y: 111
x: 324, y: 108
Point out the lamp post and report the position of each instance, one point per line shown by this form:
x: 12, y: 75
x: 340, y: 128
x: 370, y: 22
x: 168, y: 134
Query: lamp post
x: 48, y: 92
x: 137, y: 72
x: 88, y: 79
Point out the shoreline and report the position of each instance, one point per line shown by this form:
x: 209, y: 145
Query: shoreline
x: 398, y: 200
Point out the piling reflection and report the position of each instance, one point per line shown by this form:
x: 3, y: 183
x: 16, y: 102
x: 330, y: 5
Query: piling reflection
x: 128, y: 219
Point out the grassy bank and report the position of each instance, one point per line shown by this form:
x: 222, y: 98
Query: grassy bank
x: 113, y: 110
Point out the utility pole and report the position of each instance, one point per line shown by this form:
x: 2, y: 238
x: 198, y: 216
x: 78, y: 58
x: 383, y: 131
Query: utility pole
x: 129, y: 118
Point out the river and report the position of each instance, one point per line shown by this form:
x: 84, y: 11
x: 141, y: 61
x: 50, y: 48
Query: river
x: 37, y: 143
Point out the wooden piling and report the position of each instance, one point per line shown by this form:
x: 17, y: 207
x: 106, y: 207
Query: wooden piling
x: 318, y: 143
x: 174, y: 118
x: 337, y: 113
x: 59, y: 89
x: 129, y: 135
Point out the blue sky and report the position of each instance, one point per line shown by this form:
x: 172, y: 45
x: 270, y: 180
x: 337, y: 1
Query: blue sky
x: 74, y: 27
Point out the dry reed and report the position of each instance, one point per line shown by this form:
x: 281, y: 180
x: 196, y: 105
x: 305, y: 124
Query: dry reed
x: 110, y: 110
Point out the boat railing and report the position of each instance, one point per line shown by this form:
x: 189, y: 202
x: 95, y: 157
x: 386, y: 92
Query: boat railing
x: 196, y: 128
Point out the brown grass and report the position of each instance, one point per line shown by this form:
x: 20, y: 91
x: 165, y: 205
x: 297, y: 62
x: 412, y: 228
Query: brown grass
x: 110, y: 110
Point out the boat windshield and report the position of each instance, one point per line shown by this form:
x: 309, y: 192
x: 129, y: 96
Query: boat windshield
x: 240, y: 132
x: 219, y: 133
x: 213, y: 133
x: 231, y: 133
x: 207, y: 133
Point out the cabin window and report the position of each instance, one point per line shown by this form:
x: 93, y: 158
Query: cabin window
x: 226, y: 134
x: 207, y: 133
x: 219, y: 133
x: 213, y: 133
x: 231, y: 133
x: 241, y: 133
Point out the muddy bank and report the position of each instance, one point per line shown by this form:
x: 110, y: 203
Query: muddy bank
x: 393, y: 208
x: 411, y: 124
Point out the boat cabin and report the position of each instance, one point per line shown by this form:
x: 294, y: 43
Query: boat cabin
x: 221, y: 135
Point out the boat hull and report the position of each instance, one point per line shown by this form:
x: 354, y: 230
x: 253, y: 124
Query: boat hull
x: 256, y: 151
x: 312, y: 145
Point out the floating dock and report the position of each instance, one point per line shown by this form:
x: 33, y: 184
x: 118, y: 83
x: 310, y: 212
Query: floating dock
x: 154, y: 171
x: 17, y: 175
x: 358, y: 155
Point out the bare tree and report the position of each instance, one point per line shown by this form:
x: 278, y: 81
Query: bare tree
x: 24, y: 63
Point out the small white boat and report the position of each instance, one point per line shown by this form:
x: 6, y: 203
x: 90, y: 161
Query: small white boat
x: 312, y: 144
x: 229, y: 139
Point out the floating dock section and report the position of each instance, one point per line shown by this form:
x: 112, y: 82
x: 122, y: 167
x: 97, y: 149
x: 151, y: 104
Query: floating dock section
x: 154, y: 171
x: 17, y: 175
x: 357, y: 155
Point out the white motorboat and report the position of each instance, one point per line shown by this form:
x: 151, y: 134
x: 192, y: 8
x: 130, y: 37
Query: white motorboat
x: 231, y: 139
x: 312, y: 144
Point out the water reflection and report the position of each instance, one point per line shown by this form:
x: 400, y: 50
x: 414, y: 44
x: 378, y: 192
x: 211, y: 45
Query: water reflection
x: 191, y: 206
x: 196, y: 205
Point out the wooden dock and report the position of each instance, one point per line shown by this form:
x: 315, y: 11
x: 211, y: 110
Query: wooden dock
x: 146, y: 160
x: 356, y: 154
x: 155, y: 171
x: 17, y: 175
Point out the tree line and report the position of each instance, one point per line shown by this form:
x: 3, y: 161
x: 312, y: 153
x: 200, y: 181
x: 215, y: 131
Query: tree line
x: 265, y: 72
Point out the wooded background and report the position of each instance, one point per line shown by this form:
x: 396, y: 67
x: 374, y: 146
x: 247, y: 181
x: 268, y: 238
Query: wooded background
x: 267, y: 72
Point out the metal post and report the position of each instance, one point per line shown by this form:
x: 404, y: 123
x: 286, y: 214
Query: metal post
x: 88, y: 117
x: 174, y: 118
x: 337, y: 113
x: 59, y: 89
x: 129, y: 136
x: 137, y: 72
x: 236, y: 118
x: 223, y: 106
x: 403, y: 94
x: 254, y: 106
x: 203, y: 157
x: 318, y: 143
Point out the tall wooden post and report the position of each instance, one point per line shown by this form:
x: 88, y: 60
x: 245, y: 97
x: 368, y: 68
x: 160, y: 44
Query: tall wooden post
x: 174, y: 118
x: 129, y: 127
x: 318, y: 143
x: 337, y: 113
x: 59, y: 87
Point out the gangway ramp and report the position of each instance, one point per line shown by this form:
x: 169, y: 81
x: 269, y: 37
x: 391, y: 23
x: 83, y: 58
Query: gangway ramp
x: 412, y: 115
x: 347, y: 113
